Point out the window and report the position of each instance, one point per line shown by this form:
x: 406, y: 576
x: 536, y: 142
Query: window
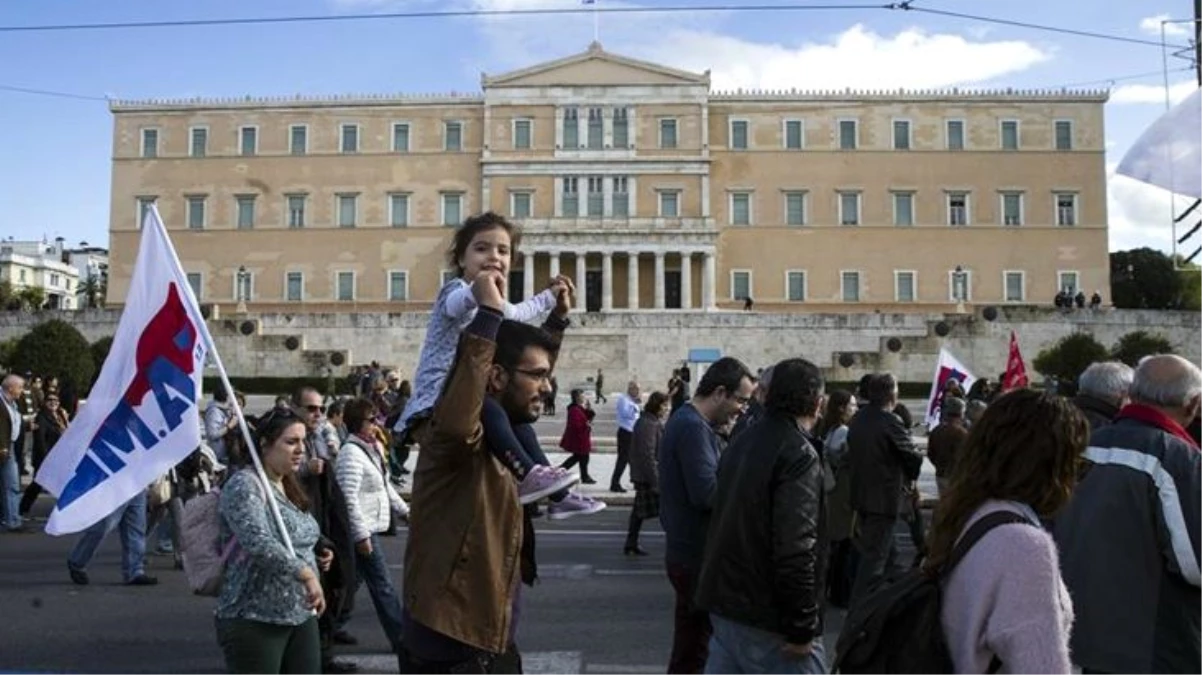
x: 53, y: 280
x: 1067, y: 281
x: 144, y: 204
x: 452, y: 208
x: 150, y: 143
x: 596, y: 197
x: 1064, y: 134
x: 669, y: 203
x: 348, y: 206
x: 738, y: 134
x: 248, y: 142
x: 346, y: 287
x: 621, y: 130
x: 570, y: 197
x: 244, y: 286
x: 298, y: 139
x: 795, y: 208
x: 398, y: 209
x: 452, y: 140
x: 1010, y: 134
x: 294, y: 286
x: 398, y: 286
x: 196, y: 283
x: 246, y: 211
x: 667, y: 133
x: 22, y: 276
x: 447, y: 276
x: 519, y: 204
x: 740, y: 284
x: 957, y: 208
x: 849, y: 286
x: 350, y: 138
x: 955, y: 134
x: 905, y: 286
x: 959, y: 285
x: 903, y: 208
x: 296, y: 211
x: 901, y: 134
x: 849, y: 208
x: 521, y: 134
x: 848, y: 134
x: 1012, y: 208
x: 1015, y: 283
x: 196, y: 213
x: 621, y: 196
x: 596, y: 128
x: 571, y: 128
x: 795, y: 286
x: 400, y: 137
x: 794, y: 135
x: 1066, y: 209
x: 740, y: 208
x: 200, y: 142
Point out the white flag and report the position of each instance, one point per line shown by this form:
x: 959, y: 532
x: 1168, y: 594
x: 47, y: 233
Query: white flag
x: 947, y: 368
x: 141, y: 418
x: 1169, y: 153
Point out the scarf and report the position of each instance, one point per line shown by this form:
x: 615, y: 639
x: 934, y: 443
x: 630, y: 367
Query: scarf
x: 1152, y: 416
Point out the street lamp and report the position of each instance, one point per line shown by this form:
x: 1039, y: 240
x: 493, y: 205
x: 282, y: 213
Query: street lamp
x: 960, y: 288
x: 243, y: 277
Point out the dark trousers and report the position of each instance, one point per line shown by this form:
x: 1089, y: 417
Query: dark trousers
x: 509, y: 662
x: 502, y: 440
x: 258, y: 647
x: 575, y: 459
x: 632, y: 530
x: 692, y: 631
x: 878, y: 552
x: 624, y: 439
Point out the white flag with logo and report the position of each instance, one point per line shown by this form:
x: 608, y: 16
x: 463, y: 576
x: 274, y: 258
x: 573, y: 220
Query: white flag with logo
x: 141, y: 418
x: 947, y: 368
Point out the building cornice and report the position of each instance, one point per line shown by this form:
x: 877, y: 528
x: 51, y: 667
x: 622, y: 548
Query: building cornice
x: 296, y: 101
x: 1008, y: 95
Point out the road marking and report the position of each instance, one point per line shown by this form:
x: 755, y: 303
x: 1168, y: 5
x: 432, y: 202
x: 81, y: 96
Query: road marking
x: 603, y: 533
x: 621, y: 668
x: 636, y: 572
x: 535, y: 663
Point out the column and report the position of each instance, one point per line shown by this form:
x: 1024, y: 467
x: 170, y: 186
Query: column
x: 705, y: 195
x: 686, y: 280
x: 581, y: 279
x: 528, y: 275
x: 659, y: 279
x: 632, y: 280
x: 707, y: 282
x: 554, y: 264
x: 607, y: 281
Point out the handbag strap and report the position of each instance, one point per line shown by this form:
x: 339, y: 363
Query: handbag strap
x: 974, y: 534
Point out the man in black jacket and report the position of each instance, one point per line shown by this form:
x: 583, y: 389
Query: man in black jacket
x: 762, y: 578
x: 1102, y: 391
x: 883, y: 460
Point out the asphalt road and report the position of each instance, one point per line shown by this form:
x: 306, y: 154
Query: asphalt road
x: 594, y: 610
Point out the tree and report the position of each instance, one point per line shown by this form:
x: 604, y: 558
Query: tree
x: 56, y: 349
x: 7, y: 349
x: 1191, y: 286
x: 1069, y: 357
x: 1144, y: 278
x: 7, y: 294
x: 32, y: 298
x: 91, y: 291
x: 100, y: 351
x: 1135, y: 345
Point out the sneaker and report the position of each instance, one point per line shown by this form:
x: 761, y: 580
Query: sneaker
x: 142, y: 580
x: 78, y: 577
x: 342, y: 637
x: 543, y: 481
x: 574, y: 504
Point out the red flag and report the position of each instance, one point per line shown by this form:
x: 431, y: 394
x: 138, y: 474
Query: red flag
x: 1016, y: 370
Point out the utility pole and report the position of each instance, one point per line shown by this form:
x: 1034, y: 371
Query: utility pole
x: 1198, y: 40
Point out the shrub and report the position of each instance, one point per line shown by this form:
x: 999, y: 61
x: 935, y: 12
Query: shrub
x: 55, y: 349
x: 1068, y: 358
x: 1136, y: 345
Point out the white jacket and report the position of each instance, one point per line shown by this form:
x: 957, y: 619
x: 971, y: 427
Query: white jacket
x: 362, y: 474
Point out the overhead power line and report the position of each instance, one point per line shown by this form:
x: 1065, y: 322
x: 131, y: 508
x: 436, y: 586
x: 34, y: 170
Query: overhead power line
x: 47, y: 92
x: 578, y: 10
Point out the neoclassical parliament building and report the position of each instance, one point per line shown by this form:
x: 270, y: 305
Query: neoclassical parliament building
x: 653, y: 191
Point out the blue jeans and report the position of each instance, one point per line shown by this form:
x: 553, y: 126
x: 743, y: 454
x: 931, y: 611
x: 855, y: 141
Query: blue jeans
x: 739, y: 648
x: 131, y: 520
x: 10, y: 483
x: 373, y: 571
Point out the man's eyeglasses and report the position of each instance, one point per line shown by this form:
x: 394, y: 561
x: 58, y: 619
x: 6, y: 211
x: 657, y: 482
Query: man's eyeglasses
x: 315, y: 408
x: 539, y: 375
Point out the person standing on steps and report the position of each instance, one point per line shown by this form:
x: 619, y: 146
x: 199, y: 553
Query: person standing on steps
x: 600, y: 390
x: 628, y: 414
x: 577, y: 437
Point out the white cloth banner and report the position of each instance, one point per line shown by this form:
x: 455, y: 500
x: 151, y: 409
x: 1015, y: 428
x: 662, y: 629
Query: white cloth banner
x: 1169, y: 153
x: 947, y: 368
x: 141, y: 418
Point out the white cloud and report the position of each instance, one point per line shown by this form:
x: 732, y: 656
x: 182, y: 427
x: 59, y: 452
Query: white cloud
x: 1140, y: 214
x: 1151, y: 93
x: 1151, y: 26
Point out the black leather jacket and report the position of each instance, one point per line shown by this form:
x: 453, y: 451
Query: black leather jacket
x: 882, y: 458
x: 765, y: 557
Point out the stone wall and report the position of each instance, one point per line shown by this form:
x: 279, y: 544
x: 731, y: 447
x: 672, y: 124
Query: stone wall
x: 648, y: 345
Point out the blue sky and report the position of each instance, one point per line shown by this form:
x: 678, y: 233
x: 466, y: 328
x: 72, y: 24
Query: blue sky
x: 55, y: 151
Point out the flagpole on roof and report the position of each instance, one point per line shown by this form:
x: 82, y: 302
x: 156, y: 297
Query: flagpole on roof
x: 153, y: 220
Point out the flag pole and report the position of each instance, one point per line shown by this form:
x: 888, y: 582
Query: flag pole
x: 596, y: 23
x: 211, y: 347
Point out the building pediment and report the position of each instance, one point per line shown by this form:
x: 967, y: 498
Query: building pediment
x: 595, y: 67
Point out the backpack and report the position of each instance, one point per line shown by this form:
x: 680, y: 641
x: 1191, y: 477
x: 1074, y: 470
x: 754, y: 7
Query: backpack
x: 897, y: 627
x: 200, y: 540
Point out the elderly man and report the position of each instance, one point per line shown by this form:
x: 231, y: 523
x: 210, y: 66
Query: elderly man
x: 470, y: 547
x: 1102, y: 391
x: 11, y: 424
x: 628, y: 414
x: 1129, y: 538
